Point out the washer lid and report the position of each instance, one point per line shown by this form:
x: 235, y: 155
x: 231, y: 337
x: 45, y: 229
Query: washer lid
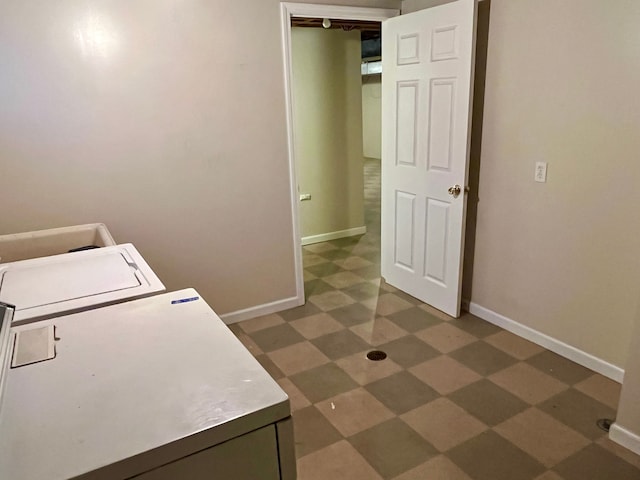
x: 67, y: 279
x: 50, y: 286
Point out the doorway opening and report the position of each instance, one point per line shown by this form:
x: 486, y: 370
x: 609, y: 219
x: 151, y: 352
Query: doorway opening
x: 337, y: 120
x: 296, y: 13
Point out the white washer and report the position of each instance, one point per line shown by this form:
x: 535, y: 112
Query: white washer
x: 46, y: 287
x: 156, y: 389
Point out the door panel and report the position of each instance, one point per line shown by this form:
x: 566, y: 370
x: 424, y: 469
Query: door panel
x: 437, y: 226
x: 407, y: 123
x: 404, y: 229
x: 440, y: 124
x: 426, y: 109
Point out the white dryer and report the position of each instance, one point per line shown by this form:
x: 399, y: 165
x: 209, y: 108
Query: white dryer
x: 47, y: 287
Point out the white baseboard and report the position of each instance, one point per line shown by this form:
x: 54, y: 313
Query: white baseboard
x: 325, y: 237
x: 557, y: 346
x: 259, y: 310
x: 624, y: 437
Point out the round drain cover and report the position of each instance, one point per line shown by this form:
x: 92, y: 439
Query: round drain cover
x: 376, y: 355
x: 604, y: 424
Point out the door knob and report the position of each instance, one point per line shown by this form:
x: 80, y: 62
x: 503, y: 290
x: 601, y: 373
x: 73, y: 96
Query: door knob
x: 455, y: 191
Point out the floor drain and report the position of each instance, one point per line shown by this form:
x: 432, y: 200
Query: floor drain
x: 604, y: 424
x: 376, y: 355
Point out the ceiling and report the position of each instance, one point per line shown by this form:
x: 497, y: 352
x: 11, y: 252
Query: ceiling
x: 368, y: 29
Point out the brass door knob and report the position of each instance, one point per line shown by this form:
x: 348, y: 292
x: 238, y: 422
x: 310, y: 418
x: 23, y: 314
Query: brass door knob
x: 455, y: 190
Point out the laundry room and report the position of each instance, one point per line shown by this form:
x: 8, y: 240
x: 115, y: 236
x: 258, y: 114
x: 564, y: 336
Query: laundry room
x: 176, y: 301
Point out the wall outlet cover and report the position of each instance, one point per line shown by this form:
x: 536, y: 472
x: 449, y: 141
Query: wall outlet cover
x: 541, y: 172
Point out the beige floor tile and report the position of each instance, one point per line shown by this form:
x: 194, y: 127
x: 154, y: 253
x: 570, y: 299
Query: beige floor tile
x: 354, y: 411
x: 312, y: 431
x: 438, y: 468
x: 320, y: 247
x: 542, y: 437
x: 385, y: 286
x: 362, y: 291
x: 351, y: 263
x: 296, y: 397
x: 312, y: 260
x: 444, y: 374
x: 559, y: 367
x: 528, y: 383
x: 602, y: 389
x: 402, y: 392
x: 379, y: 331
x: 323, y: 382
x: 308, y: 276
x: 340, y: 344
x: 488, y: 456
x: 331, y: 300
x: 260, y: 323
x: 389, y: 303
x: 596, y: 463
x: 392, y: 447
x: 297, y: 358
x: 578, y: 411
x: 409, y: 351
x: 488, y: 402
x: 483, y: 358
x: 434, y: 311
x: 273, y: 338
x: 514, y: 345
x: 620, y: 451
x: 443, y: 423
x: 316, y: 325
x: 413, y: 319
x: 364, y: 371
x: 445, y: 337
x: 362, y: 249
x: 343, y: 279
x: 271, y: 368
x: 370, y: 303
x: 339, y: 460
x: 549, y: 476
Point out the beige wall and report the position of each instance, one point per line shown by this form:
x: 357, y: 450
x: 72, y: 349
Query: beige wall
x: 164, y: 120
x: 561, y: 87
x: 328, y: 128
x: 409, y: 6
x: 563, y: 256
x: 372, y: 116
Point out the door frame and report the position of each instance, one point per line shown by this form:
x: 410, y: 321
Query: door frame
x: 310, y: 10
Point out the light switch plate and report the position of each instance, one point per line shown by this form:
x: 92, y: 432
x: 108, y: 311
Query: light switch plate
x: 541, y: 172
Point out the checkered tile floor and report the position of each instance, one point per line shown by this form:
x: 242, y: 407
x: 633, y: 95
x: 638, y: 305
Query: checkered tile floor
x: 456, y: 399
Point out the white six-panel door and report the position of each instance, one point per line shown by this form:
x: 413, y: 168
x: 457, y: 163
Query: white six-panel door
x: 427, y: 87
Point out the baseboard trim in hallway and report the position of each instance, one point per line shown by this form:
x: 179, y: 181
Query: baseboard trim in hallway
x: 260, y: 310
x: 325, y: 237
x: 557, y: 346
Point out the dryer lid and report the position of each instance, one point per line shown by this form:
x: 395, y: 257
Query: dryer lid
x: 47, y: 287
x: 67, y: 278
